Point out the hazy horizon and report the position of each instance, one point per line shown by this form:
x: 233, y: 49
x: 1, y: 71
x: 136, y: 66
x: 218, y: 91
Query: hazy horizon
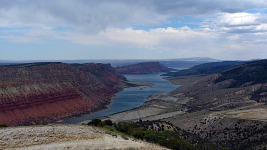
x: 126, y: 29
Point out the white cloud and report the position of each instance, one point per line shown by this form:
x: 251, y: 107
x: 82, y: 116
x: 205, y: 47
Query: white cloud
x: 94, y: 16
x: 239, y: 19
x: 182, y: 42
x: 237, y: 23
x: 154, y: 39
x: 111, y: 23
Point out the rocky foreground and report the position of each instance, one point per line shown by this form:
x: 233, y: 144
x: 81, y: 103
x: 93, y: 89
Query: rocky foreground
x: 44, y: 92
x: 67, y: 137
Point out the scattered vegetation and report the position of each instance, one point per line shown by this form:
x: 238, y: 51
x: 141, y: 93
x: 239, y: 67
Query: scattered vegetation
x: 99, y: 123
x: 247, y: 74
x: 162, y: 133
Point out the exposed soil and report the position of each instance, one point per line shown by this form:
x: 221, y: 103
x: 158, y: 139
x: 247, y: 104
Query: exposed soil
x: 156, y: 107
x: 67, y: 137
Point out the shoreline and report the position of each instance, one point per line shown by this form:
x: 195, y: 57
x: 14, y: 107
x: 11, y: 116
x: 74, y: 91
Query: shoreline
x: 143, y: 105
x: 107, y: 105
x: 181, y: 81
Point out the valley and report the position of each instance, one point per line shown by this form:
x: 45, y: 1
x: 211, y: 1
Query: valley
x: 131, y: 97
x: 133, y: 75
x: 221, y: 108
x: 225, y: 107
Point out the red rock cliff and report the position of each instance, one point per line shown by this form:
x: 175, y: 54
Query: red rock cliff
x: 44, y: 92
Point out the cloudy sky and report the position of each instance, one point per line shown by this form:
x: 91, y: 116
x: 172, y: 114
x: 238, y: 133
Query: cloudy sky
x: 132, y: 29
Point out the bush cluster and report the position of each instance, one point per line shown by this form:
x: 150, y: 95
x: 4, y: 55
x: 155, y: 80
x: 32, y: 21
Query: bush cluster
x: 99, y: 123
x: 167, y: 138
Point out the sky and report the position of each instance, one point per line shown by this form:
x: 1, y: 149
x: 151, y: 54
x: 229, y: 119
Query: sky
x: 132, y: 29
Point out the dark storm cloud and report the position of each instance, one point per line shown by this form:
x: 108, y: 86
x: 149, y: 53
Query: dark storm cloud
x: 198, y: 7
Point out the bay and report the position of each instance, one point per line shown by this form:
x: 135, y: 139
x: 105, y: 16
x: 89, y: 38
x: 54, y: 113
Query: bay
x: 131, y: 97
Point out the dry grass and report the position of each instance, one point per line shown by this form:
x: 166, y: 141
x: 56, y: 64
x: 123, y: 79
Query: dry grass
x: 57, y: 137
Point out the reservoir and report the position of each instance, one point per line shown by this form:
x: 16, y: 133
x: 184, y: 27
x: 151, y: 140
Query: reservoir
x: 131, y: 97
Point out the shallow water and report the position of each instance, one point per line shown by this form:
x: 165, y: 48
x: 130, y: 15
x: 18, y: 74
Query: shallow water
x: 131, y: 97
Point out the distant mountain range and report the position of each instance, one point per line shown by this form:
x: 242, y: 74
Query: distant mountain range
x: 182, y: 63
x: 174, y: 63
x: 206, y: 68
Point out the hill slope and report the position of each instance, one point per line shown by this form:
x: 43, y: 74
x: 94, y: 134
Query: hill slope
x: 43, y: 92
x: 242, y: 85
x: 67, y: 137
x: 143, y: 68
x: 228, y: 108
x: 206, y: 68
x: 248, y: 74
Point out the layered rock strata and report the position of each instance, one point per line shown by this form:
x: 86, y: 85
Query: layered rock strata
x: 44, y: 92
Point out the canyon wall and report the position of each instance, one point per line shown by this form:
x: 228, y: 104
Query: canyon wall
x: 45, y: 92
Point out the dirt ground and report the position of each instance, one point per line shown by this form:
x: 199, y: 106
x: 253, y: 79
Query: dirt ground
x: 57, y: 137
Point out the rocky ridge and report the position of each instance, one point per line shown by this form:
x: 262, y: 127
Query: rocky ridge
x: 240, y: 86
x: 143, y: 68
x: 44, y: 92
x: 206, y: 68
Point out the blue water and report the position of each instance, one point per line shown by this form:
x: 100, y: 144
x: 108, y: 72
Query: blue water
x: 131, y: 97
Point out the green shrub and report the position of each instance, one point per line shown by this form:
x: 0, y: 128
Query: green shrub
x: 123, y: 127
x: 140, y: 130
x: 108, y: 122
x: 95, y: 122
x: 139, y: 134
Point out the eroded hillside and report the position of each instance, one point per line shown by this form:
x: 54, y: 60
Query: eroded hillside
x: 240, y: 86
x: 229, y: 108
x: 43, y: 92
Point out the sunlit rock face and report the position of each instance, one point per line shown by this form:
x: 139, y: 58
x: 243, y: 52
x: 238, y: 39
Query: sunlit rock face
x: 45, y: 92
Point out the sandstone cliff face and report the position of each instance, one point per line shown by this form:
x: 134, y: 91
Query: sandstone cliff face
x: 143, y: 68
x: 44, y: 92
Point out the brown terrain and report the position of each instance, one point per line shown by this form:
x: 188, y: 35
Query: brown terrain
x: 228, y: 108
x: 71, y: 137
x: 143, y: 68
x: 45, y: 92
x: 240, y: 86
